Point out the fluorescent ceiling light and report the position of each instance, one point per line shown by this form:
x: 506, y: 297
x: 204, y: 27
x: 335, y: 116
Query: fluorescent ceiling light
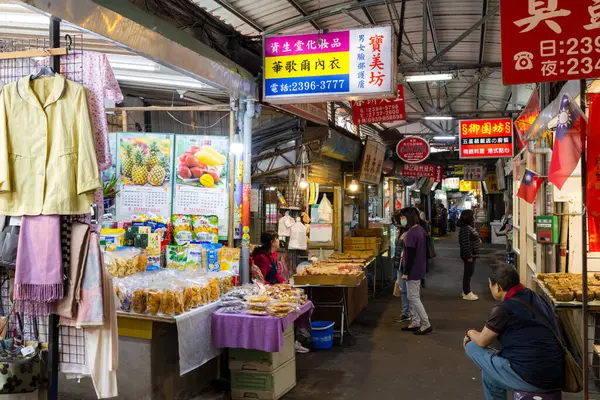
x: 429, y: 78
x: 438, y: 117
x: 134, y: 67
x: 444, y: 138
x: 166, y: 82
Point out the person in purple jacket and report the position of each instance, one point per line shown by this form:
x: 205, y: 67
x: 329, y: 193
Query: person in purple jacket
x: 413, y: 266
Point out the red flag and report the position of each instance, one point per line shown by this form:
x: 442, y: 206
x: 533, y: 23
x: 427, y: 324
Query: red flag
x: 568, y: 142
x: 528, y: 117
x: 593, y: 175
x: 529, y: 186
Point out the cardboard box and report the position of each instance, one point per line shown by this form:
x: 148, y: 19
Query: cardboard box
x: 352, y: 281
x: 263, y: 386
x: 262, y: 361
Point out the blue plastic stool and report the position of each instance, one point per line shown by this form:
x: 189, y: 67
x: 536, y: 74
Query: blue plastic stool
x: 537, y: 396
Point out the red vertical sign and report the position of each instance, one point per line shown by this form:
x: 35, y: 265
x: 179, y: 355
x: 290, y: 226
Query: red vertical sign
x: 549, y: 40
x: 593, y: 175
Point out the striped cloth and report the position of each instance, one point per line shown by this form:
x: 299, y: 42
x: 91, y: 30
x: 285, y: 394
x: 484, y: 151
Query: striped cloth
x: 468, y: 238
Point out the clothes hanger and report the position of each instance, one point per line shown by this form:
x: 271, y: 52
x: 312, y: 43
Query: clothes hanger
x: 44, y: 71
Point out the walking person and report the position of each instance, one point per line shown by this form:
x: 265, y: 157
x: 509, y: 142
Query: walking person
x: 399, y: 250
x: 413, y: 266
x: 452, y: 215
x: 443, y: 220
x: 469, y: 242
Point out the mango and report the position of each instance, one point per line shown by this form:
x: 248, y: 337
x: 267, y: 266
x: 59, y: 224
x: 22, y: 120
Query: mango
x: 207, y: 180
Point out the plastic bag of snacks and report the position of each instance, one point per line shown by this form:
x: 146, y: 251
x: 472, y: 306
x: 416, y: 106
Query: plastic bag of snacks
x: 154, y: 297
x: 177, y: 257
x: 125, y: 296
x: 139, y: 303
x: 206, y: 228
x: 125, y: 261
x: 182, y: 229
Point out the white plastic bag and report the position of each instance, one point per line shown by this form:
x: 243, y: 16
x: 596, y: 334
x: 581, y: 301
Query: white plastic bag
x: 325, y: 211
x: 284, y: 228
x: 298, y: 239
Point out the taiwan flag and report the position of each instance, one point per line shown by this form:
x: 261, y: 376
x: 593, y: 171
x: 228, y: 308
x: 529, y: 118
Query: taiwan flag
x: 568, y: 142
x: 529, y: 186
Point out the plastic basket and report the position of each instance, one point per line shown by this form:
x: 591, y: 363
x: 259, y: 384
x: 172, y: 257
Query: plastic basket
x: 322, y: 334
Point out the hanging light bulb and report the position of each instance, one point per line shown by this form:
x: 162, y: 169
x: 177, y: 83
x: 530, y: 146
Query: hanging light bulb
x: 237, y: 147
x: 303, y: 182
x: 353, y: 186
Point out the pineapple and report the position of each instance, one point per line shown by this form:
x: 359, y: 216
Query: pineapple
x: 153, y: 155
x: 128, y: 160
x: 139, y: 172
x: 157, y: 174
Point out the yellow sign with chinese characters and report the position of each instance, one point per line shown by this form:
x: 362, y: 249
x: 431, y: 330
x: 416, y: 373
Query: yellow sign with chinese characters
x: 307, y: 65
x: 468, y: 186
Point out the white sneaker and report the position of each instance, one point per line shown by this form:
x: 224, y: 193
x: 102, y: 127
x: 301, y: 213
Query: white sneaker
x: 300, y: 349
x: 470, y: 297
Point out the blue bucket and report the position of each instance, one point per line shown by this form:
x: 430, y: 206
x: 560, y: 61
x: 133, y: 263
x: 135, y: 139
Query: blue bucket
x: 322, y: 334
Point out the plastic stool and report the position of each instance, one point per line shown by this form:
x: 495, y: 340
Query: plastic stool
x: 537, y: 396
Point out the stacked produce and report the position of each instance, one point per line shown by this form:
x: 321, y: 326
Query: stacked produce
x: 202, y: 165
x: 569, y: 287
x: 356, y: 257
x: 170, y: 292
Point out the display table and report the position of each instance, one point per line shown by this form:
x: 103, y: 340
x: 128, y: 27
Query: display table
x: 244, y: 331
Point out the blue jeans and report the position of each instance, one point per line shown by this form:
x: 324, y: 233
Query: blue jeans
x: 404, y: 294
x: 497, y: 375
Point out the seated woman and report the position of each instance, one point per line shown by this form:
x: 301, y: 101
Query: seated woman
x: 265, y: 258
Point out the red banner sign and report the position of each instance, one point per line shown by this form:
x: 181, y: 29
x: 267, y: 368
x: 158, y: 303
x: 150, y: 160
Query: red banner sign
x: 423, y: 171
x: 413, y: 149
x: 528, y: 117
x: 593, y: 176
x: 485, y: 138
x: 549, y: 40
x: 379, y: 110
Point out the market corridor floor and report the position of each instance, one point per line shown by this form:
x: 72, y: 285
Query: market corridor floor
x: 384, y: 363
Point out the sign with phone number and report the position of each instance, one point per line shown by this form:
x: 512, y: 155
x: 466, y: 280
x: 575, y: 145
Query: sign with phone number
x: 551, y: 40
x: 307, y: 85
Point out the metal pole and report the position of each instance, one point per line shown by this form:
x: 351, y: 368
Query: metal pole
x: 247, y: 176
x: 231, y: 176
x: 53, y: 319
x: 584, y: 235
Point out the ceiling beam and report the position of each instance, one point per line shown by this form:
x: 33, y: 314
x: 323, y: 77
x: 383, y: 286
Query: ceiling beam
x: 302, y: 12
x: 226, y: 5
x: 434, y: 38
x: 482, y: 39
x: 355, y: 18
x: 424, y: 33
x: 353, y: 5
x: 464, y: 35
x: 412, y: 115
x: 448, y: 67
x: 467, y: 89
x: 368, y: 13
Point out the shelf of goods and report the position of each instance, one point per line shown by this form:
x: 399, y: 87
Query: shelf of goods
x: 565, y: 290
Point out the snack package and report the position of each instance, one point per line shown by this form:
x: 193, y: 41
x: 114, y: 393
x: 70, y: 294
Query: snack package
x: 125, y: 261
x: 188, y: 298
x: 153, y: 246
x: 140, y: 301
x: 194, y: 257
x: 154, y: 297
x: 229, y: 260
x: 205, y: 228
x: 125, y: 296
x: 167, y: 302
x: 178, y: 304
x: 176, y: 257
x: 182, y: 229
x: 212, y: 257
x: 215, y: 290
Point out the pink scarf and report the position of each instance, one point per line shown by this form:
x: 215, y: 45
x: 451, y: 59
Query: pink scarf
x: 39, y: 267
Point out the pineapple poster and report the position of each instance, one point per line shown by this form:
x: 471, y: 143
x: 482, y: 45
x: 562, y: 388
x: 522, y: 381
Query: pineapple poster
x: 201, y: 186
x: 144, y: 165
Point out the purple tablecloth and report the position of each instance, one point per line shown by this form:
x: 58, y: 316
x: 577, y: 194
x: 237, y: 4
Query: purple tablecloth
x: 245, y: 331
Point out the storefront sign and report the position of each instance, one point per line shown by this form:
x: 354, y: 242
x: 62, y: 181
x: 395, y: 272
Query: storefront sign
x: 144, y: 166
x: 330, y: 66
x: 491, y: 183
x: 372, y: 162
x: 468, y: 186
x: 549, y: 40
x: 451, y: 184
x: 375, y: 111
x: 201, y: 178
x: 485, y: 138
x: 432, y: 171
x: 413, y: 149
x: 593, y: 176
x: 474, y: 173
x: 315, y: 112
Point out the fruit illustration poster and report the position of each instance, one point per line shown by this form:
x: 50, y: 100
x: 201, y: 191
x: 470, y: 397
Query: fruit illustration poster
x: 201, y: 178
x: 144, y: 165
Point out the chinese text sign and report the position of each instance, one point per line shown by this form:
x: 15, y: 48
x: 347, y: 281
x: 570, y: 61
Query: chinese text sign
x: 549, y: 40
x: 372, y: 162
x: 474, y: 173
x: 432, y: 171
x: 334, y: 65
x: 379, y: 110
x: 485, y: 138
x: 413, y: 149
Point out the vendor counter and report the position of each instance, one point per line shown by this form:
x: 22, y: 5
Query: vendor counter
x: 159, y: 357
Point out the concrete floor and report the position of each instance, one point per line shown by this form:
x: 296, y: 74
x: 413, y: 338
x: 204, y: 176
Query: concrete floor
x: 385, y: 363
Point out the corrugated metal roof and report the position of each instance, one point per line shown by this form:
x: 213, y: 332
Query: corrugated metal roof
x: 473, y: 90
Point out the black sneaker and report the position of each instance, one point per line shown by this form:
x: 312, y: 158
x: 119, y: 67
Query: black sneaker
x: 402, y: 318
x: 423, y: 333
